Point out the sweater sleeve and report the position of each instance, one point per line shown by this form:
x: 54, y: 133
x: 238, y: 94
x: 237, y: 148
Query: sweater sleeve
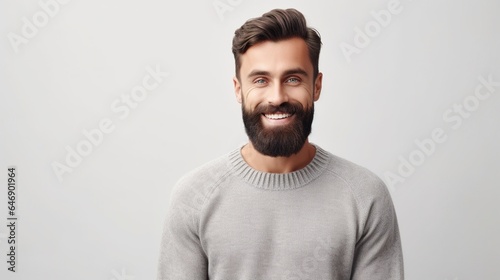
x: 181, y: 254
x: 378, y: 252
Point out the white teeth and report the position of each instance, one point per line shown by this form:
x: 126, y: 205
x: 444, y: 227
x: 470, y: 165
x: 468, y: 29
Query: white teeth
x: 277, y: 116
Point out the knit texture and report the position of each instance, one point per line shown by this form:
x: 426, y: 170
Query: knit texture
x: 330, y: 220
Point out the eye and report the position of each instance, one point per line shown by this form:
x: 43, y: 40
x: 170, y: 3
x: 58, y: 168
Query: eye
x: 260, y: 81
x: 293, y: 80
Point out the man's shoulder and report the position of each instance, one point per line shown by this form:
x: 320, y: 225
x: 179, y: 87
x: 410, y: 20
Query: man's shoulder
x: 208, y: 172
x: 200, y: 181
x: 362, y: 181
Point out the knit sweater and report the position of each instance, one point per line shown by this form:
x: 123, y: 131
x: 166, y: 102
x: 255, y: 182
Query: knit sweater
x: 329, y: 220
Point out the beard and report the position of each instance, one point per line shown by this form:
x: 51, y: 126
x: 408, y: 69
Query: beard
x: 278, y: 141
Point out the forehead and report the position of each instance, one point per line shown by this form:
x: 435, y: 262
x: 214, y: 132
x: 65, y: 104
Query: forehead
x: 276, y: 57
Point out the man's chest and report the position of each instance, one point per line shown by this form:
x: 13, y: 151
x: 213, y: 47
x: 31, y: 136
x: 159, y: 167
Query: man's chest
x: 308, y: 236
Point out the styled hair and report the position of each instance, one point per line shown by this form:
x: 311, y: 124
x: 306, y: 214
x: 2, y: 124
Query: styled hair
x: 276, y: 25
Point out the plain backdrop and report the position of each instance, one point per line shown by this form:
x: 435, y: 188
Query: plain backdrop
x: 104, y: 218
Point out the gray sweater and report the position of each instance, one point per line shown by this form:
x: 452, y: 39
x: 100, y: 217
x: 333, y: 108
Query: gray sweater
x: 330, y: 220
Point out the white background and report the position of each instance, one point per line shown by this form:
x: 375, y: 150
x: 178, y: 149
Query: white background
x: 104, y: 220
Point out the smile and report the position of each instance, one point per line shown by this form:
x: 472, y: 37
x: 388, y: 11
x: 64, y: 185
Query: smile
x: 277, y: 116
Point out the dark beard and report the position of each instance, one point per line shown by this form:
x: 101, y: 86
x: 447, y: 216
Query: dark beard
x: 281, y: 141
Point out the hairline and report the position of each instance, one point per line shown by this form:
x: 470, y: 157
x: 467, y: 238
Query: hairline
x: 238, y: 71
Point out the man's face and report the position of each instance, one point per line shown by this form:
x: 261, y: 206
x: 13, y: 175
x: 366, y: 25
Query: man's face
x: 277, y: 91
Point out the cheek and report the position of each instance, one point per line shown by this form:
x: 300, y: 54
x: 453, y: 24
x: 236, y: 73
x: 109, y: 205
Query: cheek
x: 253, y: 96
x: 251, y: 92
x: 302, y: 93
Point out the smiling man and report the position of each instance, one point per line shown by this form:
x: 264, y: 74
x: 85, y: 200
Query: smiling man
x: 280, y: 207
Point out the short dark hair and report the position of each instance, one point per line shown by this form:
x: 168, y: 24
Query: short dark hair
x: 276, y: 25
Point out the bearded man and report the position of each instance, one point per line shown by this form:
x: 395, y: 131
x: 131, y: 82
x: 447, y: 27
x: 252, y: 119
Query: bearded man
x: 279, y: 207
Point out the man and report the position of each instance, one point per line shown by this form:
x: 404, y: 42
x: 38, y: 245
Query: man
x: 279, y: 207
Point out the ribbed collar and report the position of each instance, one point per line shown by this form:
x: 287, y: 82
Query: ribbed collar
x: 279, y: 181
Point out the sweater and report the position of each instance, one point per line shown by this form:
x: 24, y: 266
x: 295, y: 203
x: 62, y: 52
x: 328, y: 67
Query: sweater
x: 330, y: 220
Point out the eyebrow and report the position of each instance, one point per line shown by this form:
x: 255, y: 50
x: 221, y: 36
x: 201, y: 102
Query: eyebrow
x: 295, y: 71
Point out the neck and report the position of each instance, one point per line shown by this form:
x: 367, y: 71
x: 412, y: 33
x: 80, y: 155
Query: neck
x: 270, y: 164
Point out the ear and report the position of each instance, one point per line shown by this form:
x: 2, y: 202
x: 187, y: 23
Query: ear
x: 237, y: 89
x: 317, y: 86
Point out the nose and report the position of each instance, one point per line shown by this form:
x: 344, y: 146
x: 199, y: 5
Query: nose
x: 277, y: 95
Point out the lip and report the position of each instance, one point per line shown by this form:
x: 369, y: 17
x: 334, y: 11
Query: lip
x: 277, y: 118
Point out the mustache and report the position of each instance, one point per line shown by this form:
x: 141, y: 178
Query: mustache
x: 286, y: 107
